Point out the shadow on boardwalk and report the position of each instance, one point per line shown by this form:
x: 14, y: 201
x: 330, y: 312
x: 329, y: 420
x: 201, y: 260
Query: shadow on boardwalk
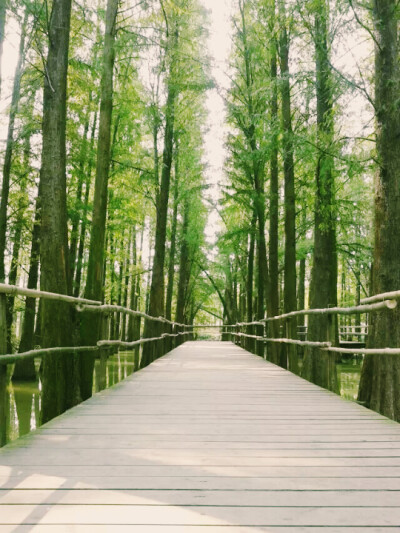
x: 208, y: 437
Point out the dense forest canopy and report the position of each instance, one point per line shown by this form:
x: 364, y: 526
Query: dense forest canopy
x: 106, y: 188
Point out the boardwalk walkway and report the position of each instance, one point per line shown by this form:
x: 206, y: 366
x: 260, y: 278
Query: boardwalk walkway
x: 207, y: 439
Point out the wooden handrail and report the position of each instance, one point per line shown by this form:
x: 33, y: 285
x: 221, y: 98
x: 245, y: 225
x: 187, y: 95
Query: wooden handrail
x: 356, y: 310
x: 13, y: 290
x: 107, y: 308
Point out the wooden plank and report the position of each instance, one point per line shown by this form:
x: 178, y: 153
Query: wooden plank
x: 204, y: 516
x: 34, y: 480
x: 202, y: 498
x: 211, y: 438
x: 55, y: 528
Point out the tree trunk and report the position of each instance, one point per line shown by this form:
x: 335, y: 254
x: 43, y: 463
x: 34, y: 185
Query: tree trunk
x: 274, y: 194
x: 95, y: 274
x: 5, y: 188
x: 25, y: 369
x: 60, y: 383
x: 290, y: 303
x: 76, y: 216
x: 380, y: 378
x: 19, y: 225
x: 319, y: 367
x: 184, y: 266
x: 250, y: 280
x: 82, y: 235
x: 156, y: 298
x: 171, y: 264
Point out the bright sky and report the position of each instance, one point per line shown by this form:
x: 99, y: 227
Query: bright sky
x: 219, y: 50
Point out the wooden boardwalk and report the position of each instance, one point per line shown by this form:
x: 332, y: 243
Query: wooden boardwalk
x: 207, y: 439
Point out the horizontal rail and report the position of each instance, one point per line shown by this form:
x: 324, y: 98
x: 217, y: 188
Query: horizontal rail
x: 256, y: 337
x: 353, y: 327
x: 40, y: 352
x: 358, y: 309
x: 13, y: 290
x: 256, y: 323
x: 365, y: 351
x: 125, y: 310
x: 127, y: 344
x: 392, y: 295
x: 311, y: 344
x: 211, y: 326
x: 352, y: 334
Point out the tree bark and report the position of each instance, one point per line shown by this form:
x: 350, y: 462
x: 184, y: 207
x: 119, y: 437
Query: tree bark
x: 290, y: 303
x: 60, y: 383
x: 95, y: 274
x: 172, y: 250
x: 319, y: 367
x: 82, y: 235
x: 76, y: 216
x: 274, y: 193
x: 380, y: 378
x: 156, y: 298
x: 184, y: 266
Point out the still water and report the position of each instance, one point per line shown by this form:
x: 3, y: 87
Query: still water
x: 25, y: 396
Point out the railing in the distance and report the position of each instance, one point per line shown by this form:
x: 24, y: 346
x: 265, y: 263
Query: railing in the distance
x: 264, y: 336
x: 171, y: 335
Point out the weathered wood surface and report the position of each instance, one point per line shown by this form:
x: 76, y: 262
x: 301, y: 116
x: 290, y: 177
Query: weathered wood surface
x: 208, y: 438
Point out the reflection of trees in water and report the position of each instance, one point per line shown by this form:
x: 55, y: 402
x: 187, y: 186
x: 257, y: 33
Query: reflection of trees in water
x: 349, y: 373
x: 24, y: 408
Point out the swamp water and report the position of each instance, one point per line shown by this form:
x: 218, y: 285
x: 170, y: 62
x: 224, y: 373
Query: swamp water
x: 24, y: 413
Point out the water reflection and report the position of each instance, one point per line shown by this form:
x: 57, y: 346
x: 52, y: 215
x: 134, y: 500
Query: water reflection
x: 350, y: 378
x: 24, y: 397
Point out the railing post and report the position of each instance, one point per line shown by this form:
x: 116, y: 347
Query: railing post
x: 260, y: 343
x: 332, y: 337
x: 292, y: 357
x: 3, y: 372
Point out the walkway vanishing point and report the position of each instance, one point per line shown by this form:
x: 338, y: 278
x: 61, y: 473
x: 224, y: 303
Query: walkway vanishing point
x: 209, y: 438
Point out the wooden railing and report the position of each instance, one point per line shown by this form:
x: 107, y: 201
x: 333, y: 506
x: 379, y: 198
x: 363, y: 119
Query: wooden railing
x: 171, y: 335
x: 370, y: 305
x: 264, y: 336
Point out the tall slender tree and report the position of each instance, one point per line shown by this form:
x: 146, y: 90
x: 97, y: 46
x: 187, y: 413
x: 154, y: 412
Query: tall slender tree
x: 95, y: 272
x: 380, y: 378
x: 60, y: 383
x: 319, y: 367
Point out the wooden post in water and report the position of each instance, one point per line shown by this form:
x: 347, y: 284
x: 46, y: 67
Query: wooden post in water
x: 3, y: 372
